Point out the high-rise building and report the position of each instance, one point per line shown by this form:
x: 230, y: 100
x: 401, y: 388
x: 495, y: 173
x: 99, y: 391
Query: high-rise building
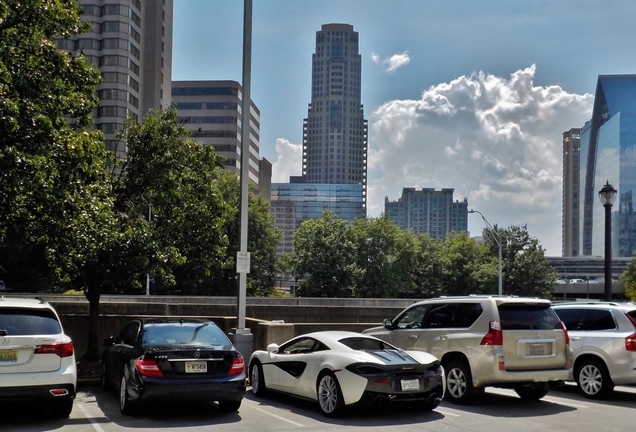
x: 571, y: 193
x: 294, y: 203
x: 335, y: 130
x: 608, y: 153
x: 211, y: 111
x: 131, y: 43
x: 428, y: 212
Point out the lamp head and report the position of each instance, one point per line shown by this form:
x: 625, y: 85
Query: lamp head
x: 607, y: 194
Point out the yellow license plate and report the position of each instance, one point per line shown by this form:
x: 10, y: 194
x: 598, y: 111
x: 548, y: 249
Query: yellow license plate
x: 9, y: 356
x: 196, y: 367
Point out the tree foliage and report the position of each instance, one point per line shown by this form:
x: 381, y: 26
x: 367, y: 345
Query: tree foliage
x: 629, y: 280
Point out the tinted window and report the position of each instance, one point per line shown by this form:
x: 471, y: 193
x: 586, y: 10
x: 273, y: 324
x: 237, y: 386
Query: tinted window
x: 298, y: 346
x: 128, y: 335
x: 572, y: 318
x: 527, y: 317
x: 440, y: 316
x: 599, y: 319
x: 365, y: 344
x: 205, y: 334
x: 27, y: 322
x: 466, y: 314
x: 412, y: 317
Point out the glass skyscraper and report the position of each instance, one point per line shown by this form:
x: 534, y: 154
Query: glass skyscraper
x: 608, y: 153
x: 335, y: 130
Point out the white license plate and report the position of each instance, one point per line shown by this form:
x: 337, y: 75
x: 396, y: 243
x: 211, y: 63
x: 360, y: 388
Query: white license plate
x: 196, y: 367
x: 537, y: 349
x: 9, y: 356
x: 408, y: 385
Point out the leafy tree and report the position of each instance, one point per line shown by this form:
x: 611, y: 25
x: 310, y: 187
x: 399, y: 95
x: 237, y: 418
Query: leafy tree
x: 426, y: 269
x: 526, y: 270
x: 56, y: 216
x: 468, y: 267
x: 324, y: 257
x: 629, y: 280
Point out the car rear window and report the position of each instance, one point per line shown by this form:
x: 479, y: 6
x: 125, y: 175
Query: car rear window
x: 28, y: 322
x: 357, y: 344
x: 205, y: 334
x: 527, y: 317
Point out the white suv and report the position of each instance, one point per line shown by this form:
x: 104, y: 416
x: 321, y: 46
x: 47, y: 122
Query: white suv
x: 37, y: 359
x: 603, y: 336
x: 499, y: 341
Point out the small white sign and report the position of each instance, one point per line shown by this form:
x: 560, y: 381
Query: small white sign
x: 242, y: 262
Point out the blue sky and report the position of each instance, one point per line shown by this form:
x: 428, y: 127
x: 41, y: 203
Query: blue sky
x: 477, y: 99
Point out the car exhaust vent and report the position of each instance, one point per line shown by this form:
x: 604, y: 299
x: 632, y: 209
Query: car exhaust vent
x: 59, y: 392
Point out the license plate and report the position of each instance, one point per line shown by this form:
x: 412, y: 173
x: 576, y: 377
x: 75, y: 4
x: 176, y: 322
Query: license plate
x: 408, y: 385
x: 196, y: 367
x: 537, y: 349
x: 9, y: 356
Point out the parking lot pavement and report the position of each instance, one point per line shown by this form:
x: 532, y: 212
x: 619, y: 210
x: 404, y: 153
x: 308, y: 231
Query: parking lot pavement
x: 96, y: 410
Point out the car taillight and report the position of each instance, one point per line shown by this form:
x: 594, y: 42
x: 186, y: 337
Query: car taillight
x: 148, y: 367
x: 565, y: 330
x: 60, y: 349
x: 494, y: 335
x: 238, y: 366
x: 630, y: 342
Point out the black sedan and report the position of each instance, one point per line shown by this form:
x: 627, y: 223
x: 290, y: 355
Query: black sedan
x: 182, y: 359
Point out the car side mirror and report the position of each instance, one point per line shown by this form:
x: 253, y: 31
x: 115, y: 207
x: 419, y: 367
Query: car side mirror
x: 272, y: 348
x: 109, y: 341
x: 388, y: 324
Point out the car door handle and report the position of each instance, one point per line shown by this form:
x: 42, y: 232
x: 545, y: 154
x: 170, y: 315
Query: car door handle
x: 443, y: 338
x: 412, y: 336
x: 575, y: 337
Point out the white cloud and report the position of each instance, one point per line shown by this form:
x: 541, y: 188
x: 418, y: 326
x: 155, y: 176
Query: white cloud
x: 288, y: 162
x: 496, y: 141
x: 396, y: 61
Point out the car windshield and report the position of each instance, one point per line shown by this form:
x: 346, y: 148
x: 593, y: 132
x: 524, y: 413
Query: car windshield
x: 527, y: 317
x: 367, y: 344
x: 28, y: 322
x: 204, y: 334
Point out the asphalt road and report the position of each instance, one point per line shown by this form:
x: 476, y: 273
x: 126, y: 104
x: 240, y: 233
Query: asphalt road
x: 499, y: 410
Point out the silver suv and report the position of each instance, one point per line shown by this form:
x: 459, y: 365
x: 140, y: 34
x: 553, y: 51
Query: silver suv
x: 603, y: 336
x: 484, y: 341
x: 37, y: 360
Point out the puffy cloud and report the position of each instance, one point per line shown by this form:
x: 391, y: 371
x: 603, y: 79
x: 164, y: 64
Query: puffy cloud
x: 496, y: 141
x: 288, y: 162
x: 394, y: 62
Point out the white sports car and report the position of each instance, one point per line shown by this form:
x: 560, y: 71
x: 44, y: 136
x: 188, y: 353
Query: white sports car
x: 339, y: 368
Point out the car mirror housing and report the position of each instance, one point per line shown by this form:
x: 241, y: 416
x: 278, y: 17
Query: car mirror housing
x: 272, y: 348
x: 388, y: 324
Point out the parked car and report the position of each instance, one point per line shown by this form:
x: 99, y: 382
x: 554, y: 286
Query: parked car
x: 577, y: 280
x: 338, y: 369
x: 37, y: 360
x: 173, y: 359
x: 486, y: 340
x: 603, y: 337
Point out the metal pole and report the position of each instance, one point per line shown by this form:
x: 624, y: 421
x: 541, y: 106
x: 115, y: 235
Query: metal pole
x: 608, y: 252
x: 500, y: 290
x: 246, y: 106
x: 148, y: 274
x: 498, y: 240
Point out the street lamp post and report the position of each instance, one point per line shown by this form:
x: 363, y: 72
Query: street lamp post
x: 607, y: 195
x: 498, y: 240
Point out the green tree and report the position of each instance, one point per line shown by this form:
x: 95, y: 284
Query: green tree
x: 426, y: 269
x: 324, y: 257
x: 526, y: 270
x: 629, y: 280
x: 468, y: 267
x: 384, y: 258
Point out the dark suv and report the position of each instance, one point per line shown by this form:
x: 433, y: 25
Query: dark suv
x: 484, y: 341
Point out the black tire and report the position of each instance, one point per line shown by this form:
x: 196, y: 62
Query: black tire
x: 532, y: 392
x: 592, y: 379
x: 257, y: 379
x: 427, y: 405
x: 329, y: 395
x: 229, y: 406
x: 459, y: 383
x: 104, y: 378
x: 126, y: 406
x: 61, y: 408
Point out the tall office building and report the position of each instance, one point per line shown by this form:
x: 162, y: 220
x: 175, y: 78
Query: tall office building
x: 211, y: 111
x: 428, y: 212
x: 131, y: 43
x: 571, y: 193
x: 608, y: 153
x: 335, y: 130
